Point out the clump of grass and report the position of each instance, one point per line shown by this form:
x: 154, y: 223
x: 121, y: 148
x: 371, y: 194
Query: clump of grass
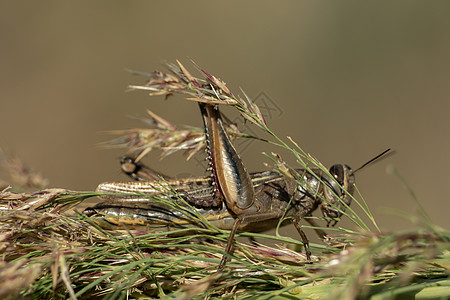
x: 47, y: 253
x: 49, y: 250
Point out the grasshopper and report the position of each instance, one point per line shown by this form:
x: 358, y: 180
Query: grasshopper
x: 231, y: 198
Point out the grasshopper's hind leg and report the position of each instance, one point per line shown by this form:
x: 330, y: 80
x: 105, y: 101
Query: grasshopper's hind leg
x: 229, y: 245
x: 229, y: 176
x: 242, y: 221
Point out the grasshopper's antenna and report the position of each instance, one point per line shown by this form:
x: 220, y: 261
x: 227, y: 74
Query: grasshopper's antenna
x: 376, y: 158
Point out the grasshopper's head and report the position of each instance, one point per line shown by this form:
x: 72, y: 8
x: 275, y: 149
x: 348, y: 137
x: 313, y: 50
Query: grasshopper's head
x: 337, y: 191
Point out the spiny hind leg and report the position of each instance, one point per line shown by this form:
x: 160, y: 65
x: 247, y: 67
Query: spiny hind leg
x: 243, y: 220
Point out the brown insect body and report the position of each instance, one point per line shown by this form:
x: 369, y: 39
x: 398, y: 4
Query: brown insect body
x: 230, y: 198
x: 131, y: 203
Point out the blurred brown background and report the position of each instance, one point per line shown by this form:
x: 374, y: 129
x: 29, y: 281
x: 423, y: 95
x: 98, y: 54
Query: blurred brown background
x: 350, y: 79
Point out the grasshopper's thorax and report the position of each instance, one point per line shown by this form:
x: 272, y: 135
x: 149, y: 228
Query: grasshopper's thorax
x: 337, y: 191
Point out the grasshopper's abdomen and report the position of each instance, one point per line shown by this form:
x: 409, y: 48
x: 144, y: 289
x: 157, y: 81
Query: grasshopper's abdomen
x: 191, y: 189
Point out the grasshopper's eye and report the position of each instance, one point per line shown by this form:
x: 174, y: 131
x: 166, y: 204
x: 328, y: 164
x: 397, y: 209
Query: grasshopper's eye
x: 337, y: 171
x: 337, y: 191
